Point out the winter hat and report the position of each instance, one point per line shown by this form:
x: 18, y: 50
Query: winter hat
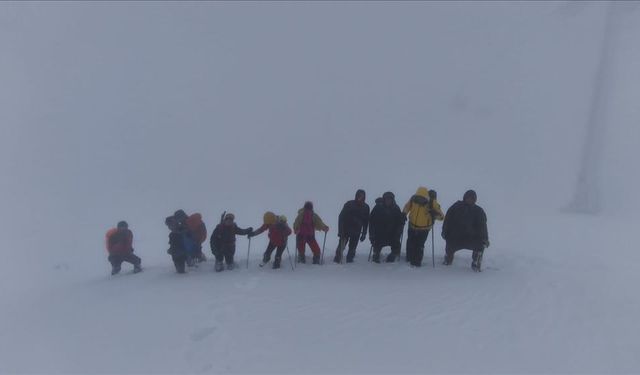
x: 361, y: 192
x: 180, y: 215
x: 308, y: 205
x: 269, y: 218
x: 122, y: 225
x: 229, y: 216
x: 470, y: 194
x: 282, y: 219
x: 388, y: 195
x: 433, y: 194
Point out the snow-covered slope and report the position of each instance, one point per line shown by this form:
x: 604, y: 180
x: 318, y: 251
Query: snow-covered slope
x: 557, y: 295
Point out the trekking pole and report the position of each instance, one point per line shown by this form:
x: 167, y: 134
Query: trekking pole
x: 433, y: 245
x: 248, y: 251
x: 289, y: 255
x: 323, y: 243
x: 370, y: 251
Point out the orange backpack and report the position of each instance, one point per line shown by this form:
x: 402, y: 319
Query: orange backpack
x: 197, y: 228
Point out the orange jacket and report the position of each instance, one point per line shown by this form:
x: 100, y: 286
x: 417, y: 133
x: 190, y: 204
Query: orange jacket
x: 119, y: 241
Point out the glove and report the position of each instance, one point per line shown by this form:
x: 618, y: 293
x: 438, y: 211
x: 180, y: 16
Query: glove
x: 443, y: 236
x: 326, y: 229
x: 486, y: 243
x: 250, y: 229
x: 363, y: 237
x: 250, y: 234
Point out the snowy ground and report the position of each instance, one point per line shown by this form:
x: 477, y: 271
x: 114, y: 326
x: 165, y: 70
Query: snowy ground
x: 557, y: 295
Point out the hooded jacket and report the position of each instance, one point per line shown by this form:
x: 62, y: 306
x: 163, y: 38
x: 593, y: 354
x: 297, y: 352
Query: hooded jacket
x: 307, y: 222
x: 354, y: 218
x: 225, y: 235
x: 386, y: 222
x: 465, y: 223
x: 421, y: 210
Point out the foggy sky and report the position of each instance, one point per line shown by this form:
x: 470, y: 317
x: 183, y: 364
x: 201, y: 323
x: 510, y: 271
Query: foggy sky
x: 115, y: 111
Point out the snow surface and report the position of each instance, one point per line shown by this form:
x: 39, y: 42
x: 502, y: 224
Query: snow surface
x: 114, y: 111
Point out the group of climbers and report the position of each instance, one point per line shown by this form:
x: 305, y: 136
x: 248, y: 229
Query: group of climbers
x: 464, y: 227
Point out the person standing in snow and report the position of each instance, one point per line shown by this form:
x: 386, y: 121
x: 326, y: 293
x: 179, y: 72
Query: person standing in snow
x: 305, y: 226
x: 192, y: 247
x: 385, y: 227
x: 119, y: 243
x: 422, y: 210
x: 465, y: 227
x: 279, y: 233
x: 353, y: 222
x: 177, y: 248
x: 223, y: 241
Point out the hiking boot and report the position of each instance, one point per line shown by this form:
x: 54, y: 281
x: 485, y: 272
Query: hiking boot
x: 316, y: 259
x: 115, y: 270
x: 391, y: 258
x: 302, y: 258
x: 219, y: 266
x: 231, y: 266
x: 416, y: 264
x: 265, y: 259
x: 338, y: 257
x: 137, y: 268
x: 375, y: 258
x: 276, y: 263
x: 350, y: 256
x: 191, y: 262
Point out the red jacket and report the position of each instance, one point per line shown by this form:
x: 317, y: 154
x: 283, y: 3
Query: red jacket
x: 278, y: 233
x: 197, y: 228
x: 119, y: 241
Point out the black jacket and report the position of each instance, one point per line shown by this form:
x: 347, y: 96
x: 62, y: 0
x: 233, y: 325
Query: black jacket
x: 353, y: 219
x: 465, y: 223
x: 386, y: 223
x: 226, y: 235
x: 176, y: 244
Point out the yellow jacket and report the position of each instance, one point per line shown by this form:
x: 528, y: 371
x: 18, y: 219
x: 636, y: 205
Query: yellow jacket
x: 418, y: 207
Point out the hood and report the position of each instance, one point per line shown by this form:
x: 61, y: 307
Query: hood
x: 361, y: 192
x: 422, y: 192
x: 269, y: 218
x: 379, y: 201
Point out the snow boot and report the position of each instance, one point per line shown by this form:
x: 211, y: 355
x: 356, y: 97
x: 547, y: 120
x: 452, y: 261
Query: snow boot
x: 231, y: 266
x: 316, y: 259
x: 338, y: 257
x: 191, y: 262
x: 391, y: 258
x: 265, y: 259
x: 219, y: 266
x: 376, y: 257
x: 302, y: 258
x: 350, y: 256
x: 276, y: 263
x: 115, y: 270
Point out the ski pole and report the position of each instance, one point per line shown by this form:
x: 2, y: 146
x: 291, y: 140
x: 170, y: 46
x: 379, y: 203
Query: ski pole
x: 370, y: 251
x: 289, y: 255
x: 323, y: 243
x: 248, y: 251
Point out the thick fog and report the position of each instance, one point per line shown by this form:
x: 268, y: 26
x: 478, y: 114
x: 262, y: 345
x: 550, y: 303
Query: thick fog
x: 113, y: 111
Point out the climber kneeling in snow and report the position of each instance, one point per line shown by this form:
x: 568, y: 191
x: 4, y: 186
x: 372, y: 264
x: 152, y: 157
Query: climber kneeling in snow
x: 305, y: 226
x: 223, y: 241
x: 119, y: 243
x: 465, y: 227
x: 279, y: 232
